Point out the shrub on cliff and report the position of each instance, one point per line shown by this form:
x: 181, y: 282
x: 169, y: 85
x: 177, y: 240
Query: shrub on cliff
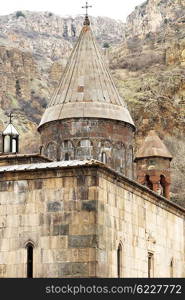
x: 20, y: 14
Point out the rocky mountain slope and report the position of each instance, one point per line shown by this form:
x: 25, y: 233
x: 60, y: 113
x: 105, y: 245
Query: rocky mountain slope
x: 147, y: 61
x: 149, y: 69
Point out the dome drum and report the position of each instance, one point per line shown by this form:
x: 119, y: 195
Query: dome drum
x: 106, y: 140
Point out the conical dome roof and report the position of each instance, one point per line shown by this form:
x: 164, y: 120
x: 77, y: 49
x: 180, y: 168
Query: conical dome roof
x: 86, y: 88
x: 153, y: 147
x: 10, y: 130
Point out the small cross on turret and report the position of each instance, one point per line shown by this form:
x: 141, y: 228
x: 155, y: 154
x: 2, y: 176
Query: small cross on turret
x: 10, y: 116
x: 86, y: 7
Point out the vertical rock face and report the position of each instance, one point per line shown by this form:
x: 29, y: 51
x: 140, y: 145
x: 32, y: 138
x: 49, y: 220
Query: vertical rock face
x: 149, y: 71
x: 48, y: 35
x: 152, y: 14
x: 18, y: 70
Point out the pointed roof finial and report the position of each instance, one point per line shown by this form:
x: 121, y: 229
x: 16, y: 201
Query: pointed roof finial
x: 86, y: 22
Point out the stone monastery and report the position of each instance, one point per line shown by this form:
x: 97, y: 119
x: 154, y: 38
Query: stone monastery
x: 85, y: 207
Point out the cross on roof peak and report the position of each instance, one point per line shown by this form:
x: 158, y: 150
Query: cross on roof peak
x: 86, y: 22
x: 86, y: 7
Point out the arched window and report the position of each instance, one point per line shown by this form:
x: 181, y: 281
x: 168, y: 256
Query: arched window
x: 129, y: 162
x: 150, y: 264
x: 66, y: 157
x: 6, y: 144
x: 10, y: 144
x: 171, y: 268
x: 123, y: 160
x: 67, y: 144
x: 148, y: 183
x: 119, y: 260
x: 163, y: 185
x: 51, y: 151
x: 29, y: 247
x: 104, y: 157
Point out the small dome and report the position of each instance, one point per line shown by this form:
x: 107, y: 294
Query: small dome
x: 153, y: 147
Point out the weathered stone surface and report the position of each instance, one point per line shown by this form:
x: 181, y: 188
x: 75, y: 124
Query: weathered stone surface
x: 89, y: 205
x: 5, y: 186
x: 82, y: 241
x: 61, y: 230
x: 54, y: 206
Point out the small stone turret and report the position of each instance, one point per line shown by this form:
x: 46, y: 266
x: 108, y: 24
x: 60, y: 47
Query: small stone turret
x: 10, y: 139
x: 153, y: 165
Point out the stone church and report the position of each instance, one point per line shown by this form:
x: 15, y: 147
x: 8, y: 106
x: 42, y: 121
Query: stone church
x: 84, y: 206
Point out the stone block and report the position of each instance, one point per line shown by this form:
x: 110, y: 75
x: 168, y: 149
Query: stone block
x: 65, y: 269
x: 82, y: 193
x: 38, y: 184
x: 3, y: 257
x: 73, y: 269
x: 54, y: 242
x: 21, y: 186
x: 61, y: 229
x: 54, y: 206
x: 82, y: 241
x: 89, y: 205
x: 3, y: 210
x: 72, y: 205
x: 5, y: 244
x: 81, y: 180
x: 83, y: 255
x: 6, y: 186
x: 93, y: 180
x: 63, y: 255
x: 92, y: 193
x: 2, y: 222
x: 47, y: 256
x: 79, y: 269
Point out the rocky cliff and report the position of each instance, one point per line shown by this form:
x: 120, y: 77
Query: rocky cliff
x: 149, y: 69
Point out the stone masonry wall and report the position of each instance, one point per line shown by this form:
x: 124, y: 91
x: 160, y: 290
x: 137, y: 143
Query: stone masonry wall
x: 77, y: 217
x: 55, y: 210
x: 142, y: 224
